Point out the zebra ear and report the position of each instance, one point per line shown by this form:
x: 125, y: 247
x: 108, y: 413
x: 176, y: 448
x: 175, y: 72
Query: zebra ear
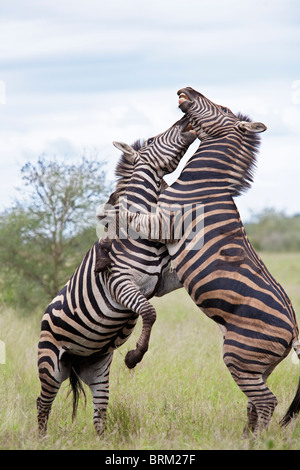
x: 125, y: 148
x: 251, y: 126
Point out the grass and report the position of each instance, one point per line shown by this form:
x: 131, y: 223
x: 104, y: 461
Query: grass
x: 181, y: 397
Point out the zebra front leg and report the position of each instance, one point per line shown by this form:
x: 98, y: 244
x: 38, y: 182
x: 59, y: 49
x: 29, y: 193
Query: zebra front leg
x: 148, y: 314
x: 130, y: 297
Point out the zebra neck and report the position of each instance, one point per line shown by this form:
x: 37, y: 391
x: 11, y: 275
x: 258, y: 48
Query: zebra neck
x: 144, y: 188
x: 219, y: 167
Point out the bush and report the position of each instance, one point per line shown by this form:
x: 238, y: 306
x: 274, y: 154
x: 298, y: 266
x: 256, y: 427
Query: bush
x: 274, y: 231
x: 45, y: 235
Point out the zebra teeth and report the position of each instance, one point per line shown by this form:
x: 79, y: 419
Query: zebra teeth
x: 182, y: 98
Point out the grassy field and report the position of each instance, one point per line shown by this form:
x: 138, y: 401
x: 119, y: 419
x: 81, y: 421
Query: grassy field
x: 181, y: 397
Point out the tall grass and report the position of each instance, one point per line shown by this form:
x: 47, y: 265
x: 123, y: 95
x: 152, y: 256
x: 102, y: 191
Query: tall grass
x: 180, y: 397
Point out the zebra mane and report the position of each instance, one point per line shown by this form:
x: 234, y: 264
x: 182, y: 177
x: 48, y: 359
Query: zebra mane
x: 246, y: 163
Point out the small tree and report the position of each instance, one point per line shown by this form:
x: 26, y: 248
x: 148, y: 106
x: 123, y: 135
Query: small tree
x: 41, y: 233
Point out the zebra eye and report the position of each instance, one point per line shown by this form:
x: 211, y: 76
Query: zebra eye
x: 225, y: 110
x: 150, y: 141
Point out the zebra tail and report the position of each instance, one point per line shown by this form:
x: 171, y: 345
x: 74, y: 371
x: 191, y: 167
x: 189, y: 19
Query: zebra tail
x: 293, y: 409
x: 76, y: 387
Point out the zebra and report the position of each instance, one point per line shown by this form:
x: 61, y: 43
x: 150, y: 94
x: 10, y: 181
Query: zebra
x: 93, y: 315
x: 216, y: 262
x: 133, y: 259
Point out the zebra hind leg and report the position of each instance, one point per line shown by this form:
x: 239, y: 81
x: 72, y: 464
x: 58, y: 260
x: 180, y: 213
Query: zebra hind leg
x: 259, y: 416
x: 43, y: 411
x: 261, y: 401
x: 51, y: 379
x: 94, y: 372
x: 251, y: 419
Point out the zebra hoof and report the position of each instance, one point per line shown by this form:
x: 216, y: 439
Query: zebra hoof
x: 132, y: 358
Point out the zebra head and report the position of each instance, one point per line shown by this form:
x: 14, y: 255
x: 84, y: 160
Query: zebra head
x: 211, y: 120
x: 164, y: 151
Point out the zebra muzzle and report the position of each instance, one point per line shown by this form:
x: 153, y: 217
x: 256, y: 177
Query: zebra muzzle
x: 182, y: 98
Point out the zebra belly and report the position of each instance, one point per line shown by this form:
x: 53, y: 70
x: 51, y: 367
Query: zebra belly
x: 148, y: 281
x: 140, y: 262
x: 85, y: 332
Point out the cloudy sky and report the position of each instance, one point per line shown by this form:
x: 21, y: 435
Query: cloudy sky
x: 76, y: 75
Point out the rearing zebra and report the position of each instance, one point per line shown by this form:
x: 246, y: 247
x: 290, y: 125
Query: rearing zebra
x: 224, y: 276
x: 93, y: 315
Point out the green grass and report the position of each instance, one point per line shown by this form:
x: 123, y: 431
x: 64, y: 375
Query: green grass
x: 181, y: 397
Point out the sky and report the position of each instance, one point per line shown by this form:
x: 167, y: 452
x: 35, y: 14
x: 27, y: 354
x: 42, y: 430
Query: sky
x: 78, y: 75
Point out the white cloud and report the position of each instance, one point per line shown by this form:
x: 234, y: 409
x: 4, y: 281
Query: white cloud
x: 51, y: 30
